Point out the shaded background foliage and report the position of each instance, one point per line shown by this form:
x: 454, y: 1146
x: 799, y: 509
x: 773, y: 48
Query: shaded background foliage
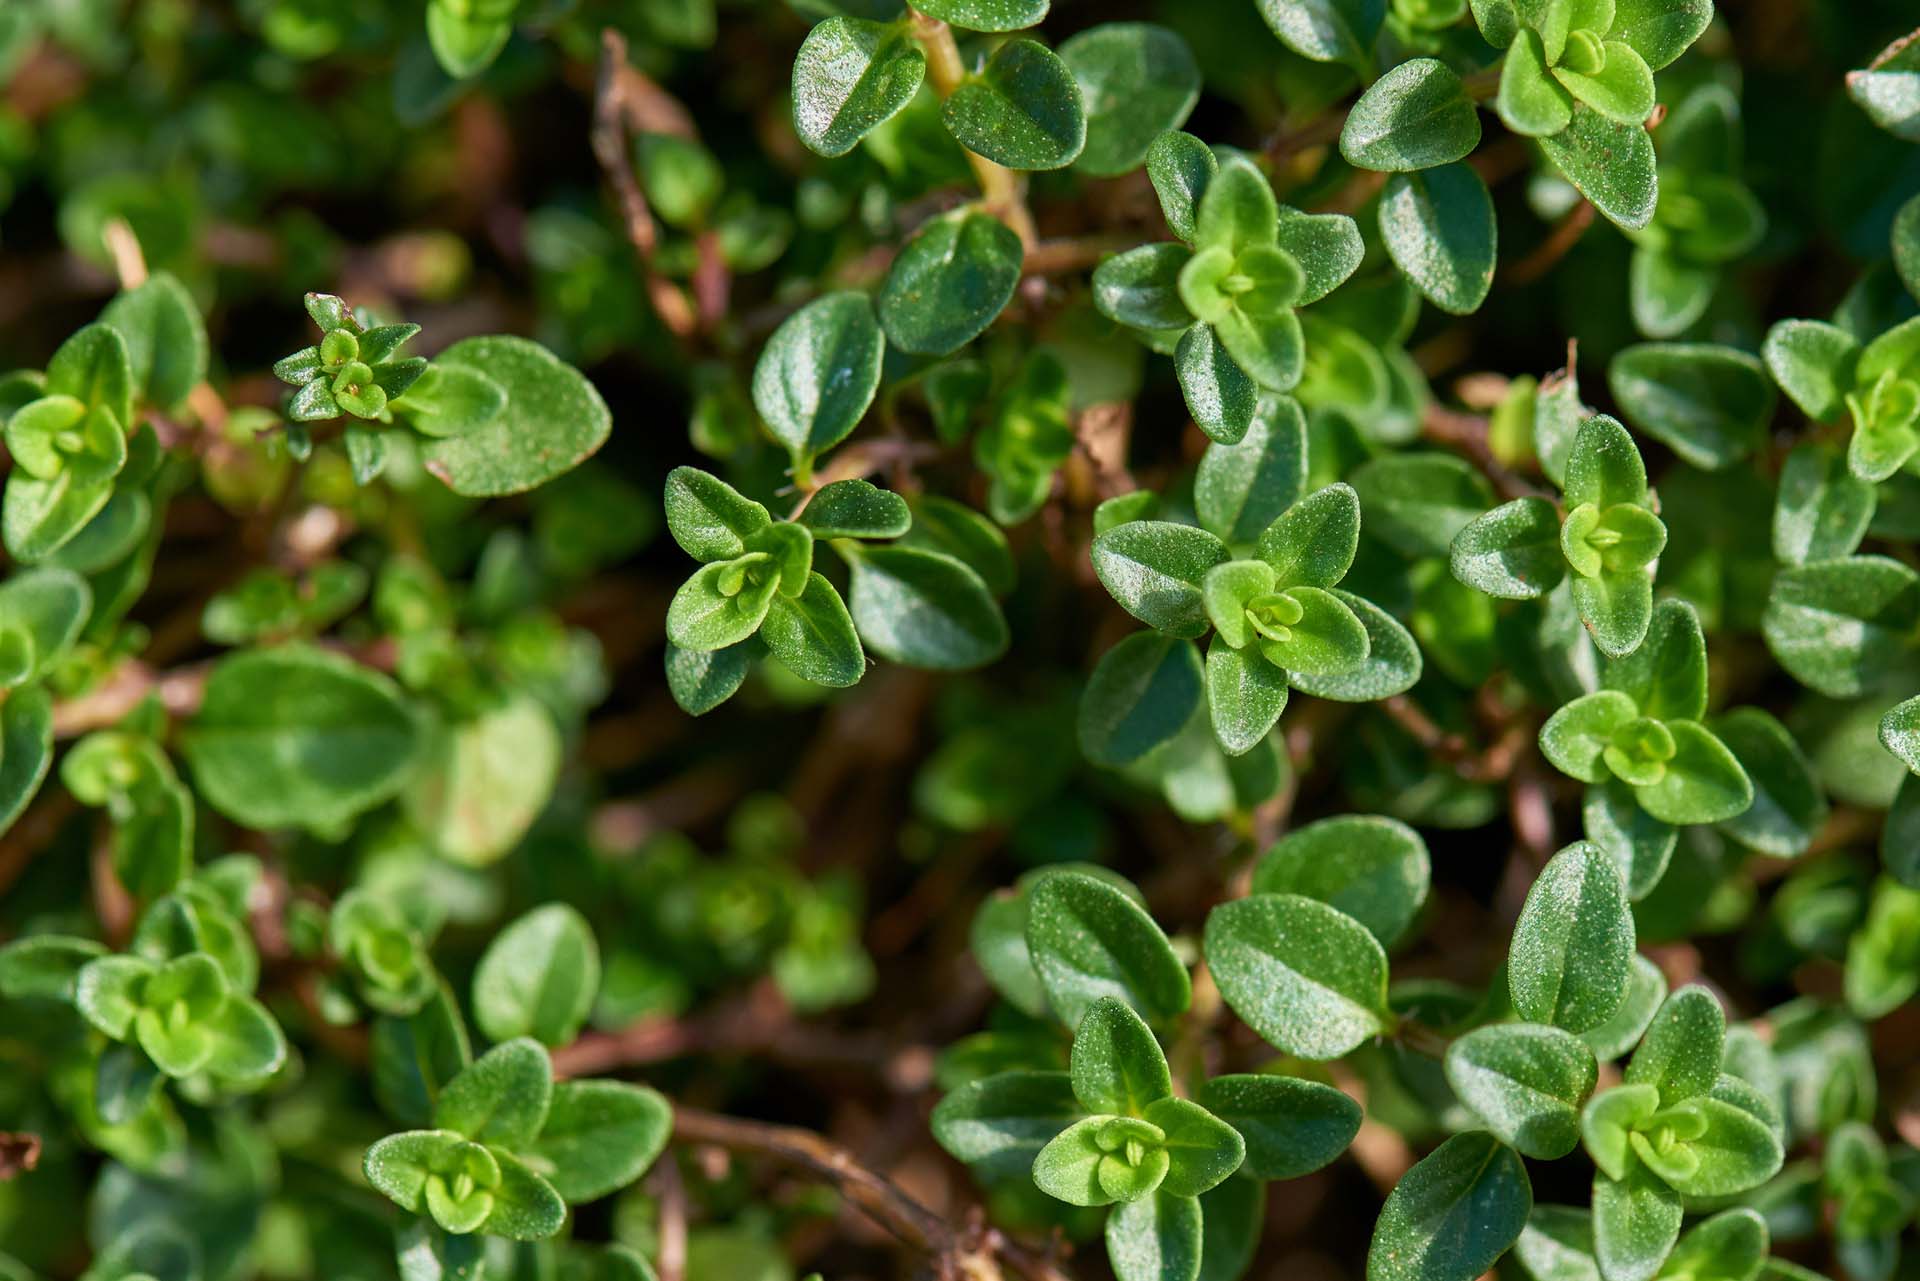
x: 782, y: 890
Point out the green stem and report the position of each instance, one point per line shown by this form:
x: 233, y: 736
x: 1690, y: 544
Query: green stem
x: 999, y: 186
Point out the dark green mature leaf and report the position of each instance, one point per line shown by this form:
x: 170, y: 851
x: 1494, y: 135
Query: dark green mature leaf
x: 987, y: 15
x: 1155, y: 568
x: 1416, y: 116
x: 851, y: 76
x: 1203, y: 1149
x: 1326, y: 30
x: 1313, y: 542
x: 998, y: 1125
x: 1822, y: 510
x: 1906, y: 245
x: 856, y: 509
x: 1245, y: 696
x: 1813, y: 362
x: 538, y: 977
x: 1453, y: 1214
x: 948, y: 283
x: 1438, y: 226
x: 1788, y: 806
x: 710, y: 519
x: 1646, y: 990
x: 1291, y: 1127
x: 297, y: 737
x: 1308, y: 978
x: 1142, y: 692
x: 1681, y: 1052
x: 1240, y: 489
x: 1141, y: 287
x: 1393, y: 664
x: 1707, y: 403
x: 1022, y: 110
x: 1232, y: 1217
x: 1512, y: 551
x: 1220, y: 395
x: 554, y: 420
x: 1573, y: 944
x: 1156, y: 1238
x: 1327, y: 247
x: 600, y: 1136
x: 924, y: 609
x: 1635, y: 1223
x: 1137, y: 80
x: 1839, y: 625
x: 501, y: 1097
x: 1372, y: 868
x: 165, y: 337
x: 1089, y: 940
x: 1527, y: 1082
x: 818, y: 372
x: 1611, y: 163
x: 49, y: 607
x: 701, y: 680
x: 1418, y: 502
x: 1117, y: 1066
x: 1180, y: 166
x: 1666, y: 677
x: 413, y: 1057
x: 942, y: 525
x: 1641, y: 844
x: 814, y: 636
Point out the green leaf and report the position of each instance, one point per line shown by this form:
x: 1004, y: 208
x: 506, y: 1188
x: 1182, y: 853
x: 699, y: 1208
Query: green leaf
x: 1220, y: 395
x: 987, y: 15
x: 1089, y: 940
x: 599, y: 1136
x: 1142, y: 692
x: 1641, y: 844
x: 701, y: 680
x: 1736, y: 1151
x: 814, y: 636
x: 1899, y: 733
x: 1180, y: 166
x: 851, y: 76
x: 1531, y: 101
x: 1418, y: 502
x: 1813, y: 362
x: 538, y: 977
x: 1453, y: 1214
x: 948, y: 283
x: 1888, y: 90
x: 1156, y: 1238
x: 464, y: 44
x: 1232, y: 1216
x: 1326, y: 30
x: 1101, y: 1160
x: 400, y: 1166
x: 1646, y: 990
x: 1022, y: 110
x: 501, y: 1097
x: 1680, y: 1053
x: 248, y: 1046
x: 1416, y: 116
x: 923, y: 609
x: 1393, y: 663
x: 722, y: 604
x: 165, y: 338
x: 942, y: 525
x: 1137, y: 80
x: 1203, y: 1149
x: 1527, y: 1082
x: 1616, y: 609
x: 1291, y: 1127
x: 1839, y: 625
x: 1702, y: 783
x: 856, y: 509
x: 1117, y: 1066
x: 1709, y: 404
x: 1325, y: 637
x: 525, y: 1206
x: 1439, y: 228
x: 999, y: 1125
x: 49, y: 607
x: 1666, y: 677
x: 1245, y: 696
x: 1240, y: 489
x: 94, y: 367
x: 1374, y: 869
x: 1636, y: 1220
x: 1237, y: 210
x: 45, y: 966
x: 1308, y: 978
x: 1512, y: 551
x: 413, y: 1057
x: 710, y: 519
x: 1660, y: 30
x: 1611, y: 164
x: 1313, y: 542
x: 1573, y: 944
x: 554, y: 420
x: 1154, y: 569
x: 295, y: 737
x: 1141, y: 287
x: 1604, y: 466
x: 1729, y: 1246
x: 1906, y: 245
x: 818, y: 372
x: 1328, y: 249
x: 1822, y: 510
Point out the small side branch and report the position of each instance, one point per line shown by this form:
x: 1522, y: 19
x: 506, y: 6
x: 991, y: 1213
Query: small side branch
x: 999, y: 185
x: 614, y: 109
